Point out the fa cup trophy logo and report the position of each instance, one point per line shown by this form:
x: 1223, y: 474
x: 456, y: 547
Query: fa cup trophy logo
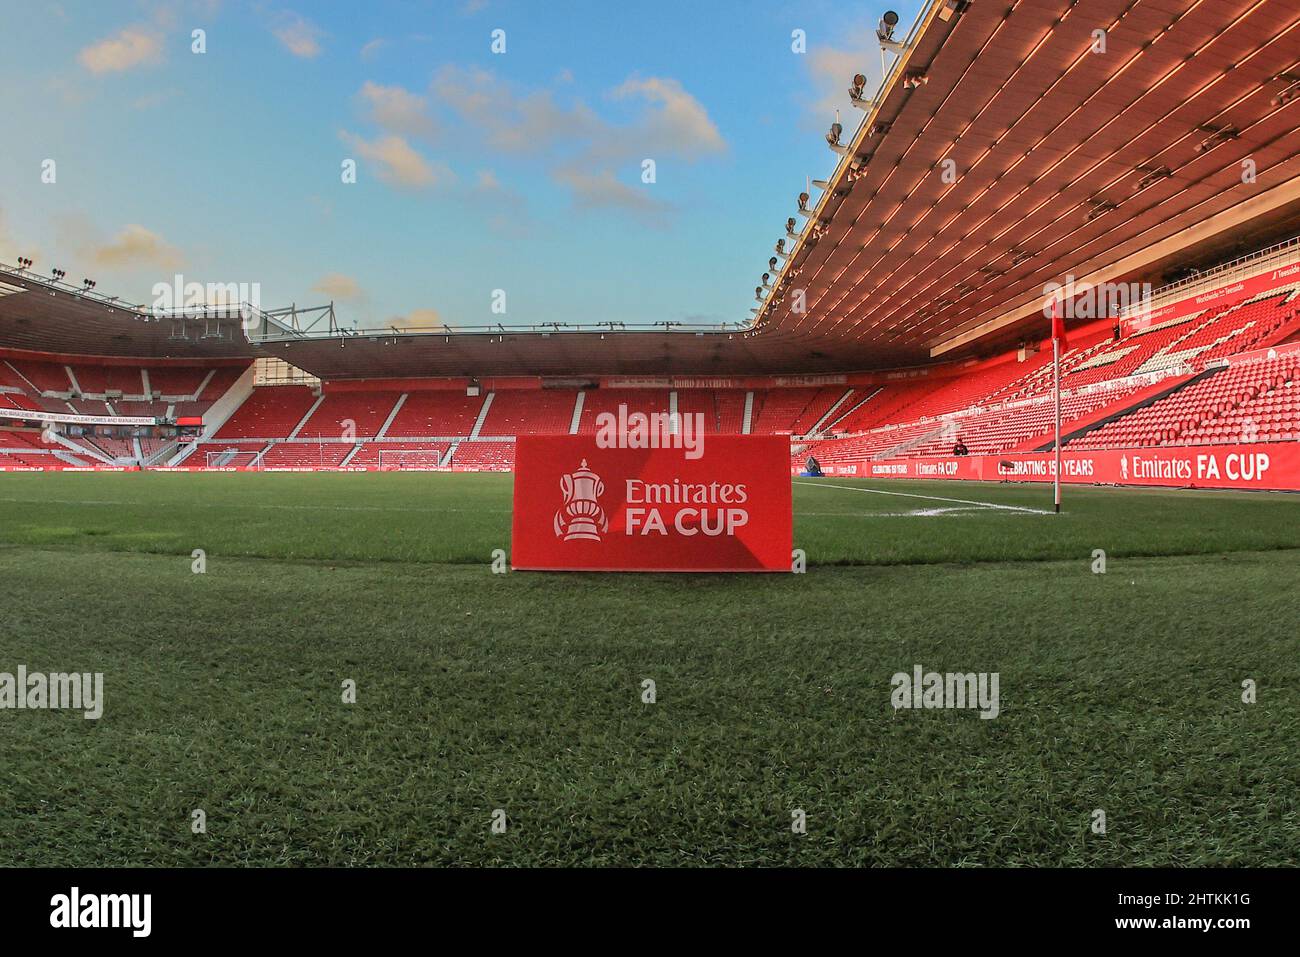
x: 581, y: 517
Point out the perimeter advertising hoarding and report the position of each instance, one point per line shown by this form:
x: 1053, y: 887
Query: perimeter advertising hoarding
x: 722, y: 507
x: 1249, y: 465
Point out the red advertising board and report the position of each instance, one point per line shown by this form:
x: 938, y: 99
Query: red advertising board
x: 1222, y: 297
x: 1249, y: 465
x: 723, y: 506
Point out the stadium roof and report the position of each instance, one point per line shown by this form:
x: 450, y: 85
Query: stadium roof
x: 1064, y: 160
x: 43, y: 316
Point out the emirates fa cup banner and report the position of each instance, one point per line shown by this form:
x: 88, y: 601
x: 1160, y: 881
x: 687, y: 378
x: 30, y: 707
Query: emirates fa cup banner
x: 1247, y: 465
x: 606, y: 502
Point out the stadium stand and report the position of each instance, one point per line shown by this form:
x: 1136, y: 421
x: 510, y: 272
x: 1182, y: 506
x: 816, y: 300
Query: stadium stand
x: 723, y: 409
x: 530, y: 412
x: 176, y: 382
x: 646, y: 401
x: 306, y: 455
x: 269, y: 412
x: 997, y: 430
x: 484, y: 456
x: 363, y: 413
x: 1199, y: 376
x: 1255, y: 400
x: 436, y: 413
x: 108, y: 390
x: 1099, y: 373
x: 779, y: 411
x: 42, y: 377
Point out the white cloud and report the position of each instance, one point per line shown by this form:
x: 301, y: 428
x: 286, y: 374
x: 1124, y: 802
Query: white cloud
x: 132, y: 47
x: 673, y: 123
x: 583, y: 150
x: 397, y: 110
x: 135, y: 245
x: 677, y: 123
x: 299, y: 35
x: 371, y: 49
x: 505, y: 210
x: 602, y: 190
x: 398, y: 163
x: 339, y: 287
x: 513, y: 121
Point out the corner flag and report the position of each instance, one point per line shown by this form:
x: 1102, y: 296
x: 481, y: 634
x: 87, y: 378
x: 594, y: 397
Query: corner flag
x: 1058, y: 326
x: 1059, y: 345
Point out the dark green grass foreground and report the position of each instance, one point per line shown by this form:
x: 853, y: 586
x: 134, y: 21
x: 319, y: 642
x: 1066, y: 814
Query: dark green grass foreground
x: 476, y: 691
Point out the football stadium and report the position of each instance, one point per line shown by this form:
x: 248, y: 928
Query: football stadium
x: 1011, y: 380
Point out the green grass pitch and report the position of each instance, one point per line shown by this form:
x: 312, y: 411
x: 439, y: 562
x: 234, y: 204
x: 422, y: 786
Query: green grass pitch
x: 522, y: 692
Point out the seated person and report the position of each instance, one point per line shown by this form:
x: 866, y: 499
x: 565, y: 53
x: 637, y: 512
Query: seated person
x: 960, y: 448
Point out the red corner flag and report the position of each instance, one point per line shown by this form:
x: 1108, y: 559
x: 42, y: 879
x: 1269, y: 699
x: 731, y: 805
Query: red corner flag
x: 1058, y: 325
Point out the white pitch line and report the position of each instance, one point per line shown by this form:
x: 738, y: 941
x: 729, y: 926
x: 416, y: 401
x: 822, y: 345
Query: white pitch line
x: 242, y: 505
x: 932, y: 498
x: 914, y: 513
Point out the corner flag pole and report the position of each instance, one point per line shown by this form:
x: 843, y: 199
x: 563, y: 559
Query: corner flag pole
x: 1058, y: 335
x: 1056, y: 390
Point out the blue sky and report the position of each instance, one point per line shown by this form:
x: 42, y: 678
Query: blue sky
x: 476, y: 171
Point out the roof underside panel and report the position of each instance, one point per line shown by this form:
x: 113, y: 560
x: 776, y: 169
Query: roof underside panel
x: 34, y: 316
x: 1066, y: 161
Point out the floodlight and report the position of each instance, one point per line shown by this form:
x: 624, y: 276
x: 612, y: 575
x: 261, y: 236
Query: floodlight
x: 885, y: 30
